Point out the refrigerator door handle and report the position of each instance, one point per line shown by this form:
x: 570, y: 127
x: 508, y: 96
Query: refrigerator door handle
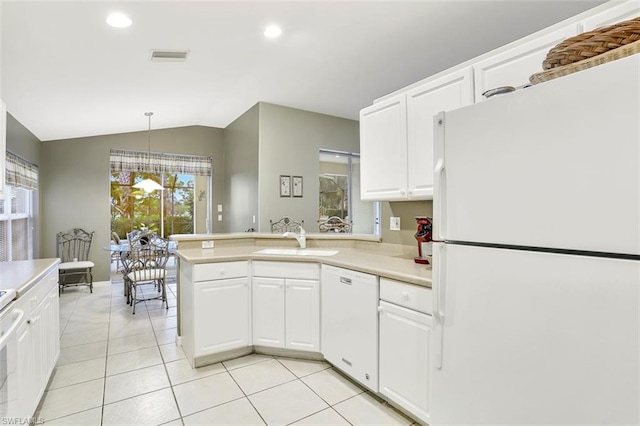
x: 439, y: 285
x: 439, y: 180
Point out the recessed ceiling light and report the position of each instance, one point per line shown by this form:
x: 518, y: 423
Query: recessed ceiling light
x: 119, y: 20
x: 272, y: 31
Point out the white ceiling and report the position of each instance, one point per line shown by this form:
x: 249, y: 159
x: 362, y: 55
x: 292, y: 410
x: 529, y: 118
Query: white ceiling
x: 66, y: 74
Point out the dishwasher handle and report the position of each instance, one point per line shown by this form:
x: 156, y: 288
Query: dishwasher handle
x: 345, y: 280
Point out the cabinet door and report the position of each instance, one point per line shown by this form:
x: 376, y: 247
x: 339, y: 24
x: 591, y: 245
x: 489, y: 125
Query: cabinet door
x: 447, y: 93
x: 221, y: 314
x: 302, y: 313
x: 513, y: 66
x: 404, y: 358
x: 26, y: 373
x: 268, y: 312
x: 51, y: 318
x: 620, y: 12
x: 383, y: 150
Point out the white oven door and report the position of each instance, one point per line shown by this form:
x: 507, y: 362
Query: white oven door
x: 9, y: 320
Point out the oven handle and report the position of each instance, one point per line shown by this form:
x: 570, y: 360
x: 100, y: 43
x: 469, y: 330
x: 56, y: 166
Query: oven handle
x: 7, y: 335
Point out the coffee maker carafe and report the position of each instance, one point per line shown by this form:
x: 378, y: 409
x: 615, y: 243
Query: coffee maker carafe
x: 424, y: 238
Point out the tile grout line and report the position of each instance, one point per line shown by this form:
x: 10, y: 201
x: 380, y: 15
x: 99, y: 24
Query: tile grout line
x: 318, y: 395
x: 164, y: 364
x: 243, y: 392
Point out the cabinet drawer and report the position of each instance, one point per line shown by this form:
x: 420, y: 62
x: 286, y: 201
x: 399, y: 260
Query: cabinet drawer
x: 39, y: 291
x: 407, y: 295
x: 299, y: 270
x: 221, y: 270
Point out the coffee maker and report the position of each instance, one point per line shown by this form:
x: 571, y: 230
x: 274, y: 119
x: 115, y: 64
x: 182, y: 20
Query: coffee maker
x: 424, y: 238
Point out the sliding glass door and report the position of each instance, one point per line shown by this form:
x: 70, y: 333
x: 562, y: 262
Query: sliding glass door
x: 165, y: 212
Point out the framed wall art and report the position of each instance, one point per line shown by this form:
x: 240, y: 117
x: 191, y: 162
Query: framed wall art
x: 285, y: 186
x: 296, y: 183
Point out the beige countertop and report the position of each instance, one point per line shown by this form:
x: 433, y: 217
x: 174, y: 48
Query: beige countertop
x: 21, y: 275
x: 401, y: 268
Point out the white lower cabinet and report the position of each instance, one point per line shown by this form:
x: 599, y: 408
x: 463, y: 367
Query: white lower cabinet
x: 404, y: 346
x: 222, y: 315
x: 286, y: 305
x: 268, y: 312
x: 350, y: 323
x: 38, y: 338
x: 215, y: 304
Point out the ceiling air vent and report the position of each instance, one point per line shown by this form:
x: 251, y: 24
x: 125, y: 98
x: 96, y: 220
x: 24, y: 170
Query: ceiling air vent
x: 169, y: 55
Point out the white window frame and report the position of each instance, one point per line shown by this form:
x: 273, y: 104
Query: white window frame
x: 9, y: 217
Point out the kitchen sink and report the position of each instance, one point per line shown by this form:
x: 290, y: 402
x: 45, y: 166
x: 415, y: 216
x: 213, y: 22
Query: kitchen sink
x: 296, y: 252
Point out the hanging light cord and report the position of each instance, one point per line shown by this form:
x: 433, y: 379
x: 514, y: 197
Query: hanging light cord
x: 149, y: 114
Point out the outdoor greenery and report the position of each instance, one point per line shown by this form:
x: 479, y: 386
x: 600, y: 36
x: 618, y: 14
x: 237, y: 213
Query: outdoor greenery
x: 334, y: 196
x: 134, y: 209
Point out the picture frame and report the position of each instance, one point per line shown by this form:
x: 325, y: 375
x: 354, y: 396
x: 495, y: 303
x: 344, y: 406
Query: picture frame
x: 296, y: 186
x: 285, y: 186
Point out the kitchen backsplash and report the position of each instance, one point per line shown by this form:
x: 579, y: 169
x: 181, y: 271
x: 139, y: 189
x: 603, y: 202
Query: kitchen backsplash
x: 406, y: 211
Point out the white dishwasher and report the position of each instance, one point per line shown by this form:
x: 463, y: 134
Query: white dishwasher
x: 349, y: 318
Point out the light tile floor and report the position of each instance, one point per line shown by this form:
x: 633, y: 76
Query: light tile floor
x: 119, y: 368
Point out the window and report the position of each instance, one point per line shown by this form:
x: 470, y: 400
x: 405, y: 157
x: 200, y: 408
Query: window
x: 16, y: 218
x: 17, y: 209
x: 167, y: 212
x: 339, y: 196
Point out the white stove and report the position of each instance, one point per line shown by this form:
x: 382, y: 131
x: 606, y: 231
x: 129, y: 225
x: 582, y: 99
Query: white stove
x: 6, y: 297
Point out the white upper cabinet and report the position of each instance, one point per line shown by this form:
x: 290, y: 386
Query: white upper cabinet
x: 512, y: 67
x: 396, y: 138
x: 383, y: 150
x: 618, y: 13
x: 447, y: 93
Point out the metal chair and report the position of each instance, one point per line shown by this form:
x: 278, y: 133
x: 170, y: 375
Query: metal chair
x: 75, y: 267
x: 145, y: 263
x: 286, y: 224
x: 334, y: 224
x: 115, y: 255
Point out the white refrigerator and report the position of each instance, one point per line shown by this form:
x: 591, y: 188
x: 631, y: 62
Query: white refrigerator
x: 536, y: 270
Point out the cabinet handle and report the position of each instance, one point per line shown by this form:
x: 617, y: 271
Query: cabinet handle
x: 222, y: 272
x: 346, y: 362
x: 405, y: 296
x: 345, y: 280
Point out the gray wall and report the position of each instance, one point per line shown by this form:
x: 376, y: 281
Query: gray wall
x: 290, y: 140
x: 75, y: 189
x: 407, y: 211
x: 241, y: 140
x: 23, y: 143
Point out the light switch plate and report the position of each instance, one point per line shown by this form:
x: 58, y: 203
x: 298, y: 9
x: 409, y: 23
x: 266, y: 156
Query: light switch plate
x: 394, y: 223
x: 219, y: 208
x: 207, y: 244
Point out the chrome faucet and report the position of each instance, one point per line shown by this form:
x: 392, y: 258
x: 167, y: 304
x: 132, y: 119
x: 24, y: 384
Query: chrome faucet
x: 301, y: 237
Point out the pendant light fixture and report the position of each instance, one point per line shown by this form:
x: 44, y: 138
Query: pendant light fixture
x: 149, y: 185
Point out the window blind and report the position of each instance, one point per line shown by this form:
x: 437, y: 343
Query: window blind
x: 159, y: 162
x: 20, y: 173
